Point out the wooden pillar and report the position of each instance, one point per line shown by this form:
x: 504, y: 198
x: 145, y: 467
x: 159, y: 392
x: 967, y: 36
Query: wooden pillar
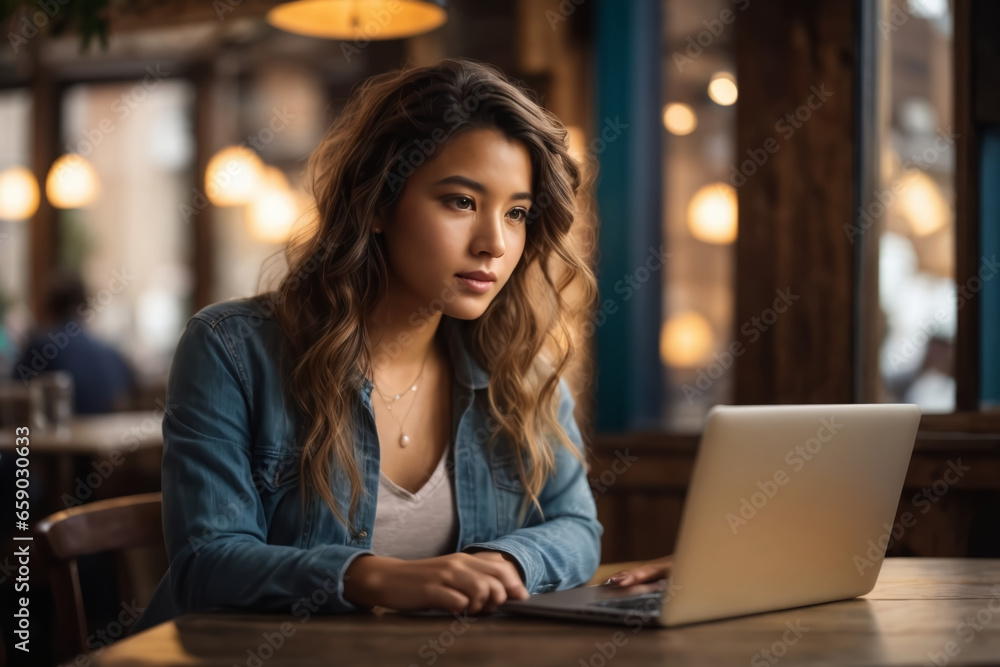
x: 43, y: 236
x: 201, y: 220
x: 796, y: 116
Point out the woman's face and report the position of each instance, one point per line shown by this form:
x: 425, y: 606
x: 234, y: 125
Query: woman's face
x: 463, y: 212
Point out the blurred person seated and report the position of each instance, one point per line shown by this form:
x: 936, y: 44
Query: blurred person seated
x: 7, y: 351
x: 102, y: 380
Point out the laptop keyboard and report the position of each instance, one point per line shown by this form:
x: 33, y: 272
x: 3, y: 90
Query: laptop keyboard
x: 639, y: 602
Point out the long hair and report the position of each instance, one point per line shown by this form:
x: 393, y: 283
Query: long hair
x: 528, y: 335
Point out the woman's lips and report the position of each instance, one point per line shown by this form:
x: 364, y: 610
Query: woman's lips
x: 480, y: 286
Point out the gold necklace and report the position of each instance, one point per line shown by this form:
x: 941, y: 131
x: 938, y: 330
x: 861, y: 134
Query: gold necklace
x: 404, y: 439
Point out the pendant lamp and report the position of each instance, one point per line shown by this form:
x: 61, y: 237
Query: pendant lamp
x: 358, y: 19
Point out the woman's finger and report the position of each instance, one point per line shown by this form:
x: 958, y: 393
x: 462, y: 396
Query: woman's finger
x: 651, y: 571
x: 474, y: 585
x: 444, y: 597
x: 505, y: 572
x: 498, y: 595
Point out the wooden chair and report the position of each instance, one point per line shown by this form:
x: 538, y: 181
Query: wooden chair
x: 104, y: 526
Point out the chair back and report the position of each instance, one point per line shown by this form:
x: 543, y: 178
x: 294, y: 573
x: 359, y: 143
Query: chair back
x: 112, y: 525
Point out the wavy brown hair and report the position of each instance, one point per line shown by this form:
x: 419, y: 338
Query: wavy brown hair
x: 530, y: 332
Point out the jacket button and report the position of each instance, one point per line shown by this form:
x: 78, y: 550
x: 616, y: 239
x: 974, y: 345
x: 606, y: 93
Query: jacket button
x: 363, y: 534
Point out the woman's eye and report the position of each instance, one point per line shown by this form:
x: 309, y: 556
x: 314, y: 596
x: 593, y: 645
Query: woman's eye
x: 468, y: 204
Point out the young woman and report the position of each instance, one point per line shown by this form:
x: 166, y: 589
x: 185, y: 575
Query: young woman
x: 390, y: 427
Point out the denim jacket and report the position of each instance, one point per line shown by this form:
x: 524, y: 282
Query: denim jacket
x: 235, y: 532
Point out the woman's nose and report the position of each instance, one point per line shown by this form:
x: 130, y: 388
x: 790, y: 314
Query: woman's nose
x: 489, y: 236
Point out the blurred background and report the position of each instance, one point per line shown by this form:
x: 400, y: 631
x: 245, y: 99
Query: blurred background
x: 795, y: 204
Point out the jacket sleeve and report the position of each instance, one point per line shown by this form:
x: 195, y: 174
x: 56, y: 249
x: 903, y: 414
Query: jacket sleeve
x: 213, y: 518
x: 562, y: 550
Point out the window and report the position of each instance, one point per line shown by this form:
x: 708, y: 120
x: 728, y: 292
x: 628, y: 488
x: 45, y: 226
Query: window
x: 281, y: 118
x: 701, y: 179
x: 131, y: 243
x: 15, y: 159
x: 912, y: 208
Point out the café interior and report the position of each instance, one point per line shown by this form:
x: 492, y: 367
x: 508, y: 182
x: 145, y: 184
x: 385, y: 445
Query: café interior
x: 793, y: 203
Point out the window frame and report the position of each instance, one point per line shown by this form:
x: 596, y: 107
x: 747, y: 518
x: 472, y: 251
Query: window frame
x: 782, y: 367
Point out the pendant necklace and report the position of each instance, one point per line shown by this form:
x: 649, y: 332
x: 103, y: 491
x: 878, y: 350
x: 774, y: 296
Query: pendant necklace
x: 404, y: 439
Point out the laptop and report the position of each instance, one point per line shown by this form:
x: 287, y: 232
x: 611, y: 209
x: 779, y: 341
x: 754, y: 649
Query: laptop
x: 788, y: 506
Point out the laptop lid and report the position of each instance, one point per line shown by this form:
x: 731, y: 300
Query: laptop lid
x: 784, y: 506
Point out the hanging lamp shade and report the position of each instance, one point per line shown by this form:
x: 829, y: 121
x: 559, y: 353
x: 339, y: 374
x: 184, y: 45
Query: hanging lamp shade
x: 18, y: 194
x: 272, y: 212
x: 72, y: 182
x: 358, y: 19
x: 231, y: 176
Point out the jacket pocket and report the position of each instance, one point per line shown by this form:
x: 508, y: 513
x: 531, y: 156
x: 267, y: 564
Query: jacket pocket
x: 275, y: 471
x: 505, y: 473
x: 508, y: 491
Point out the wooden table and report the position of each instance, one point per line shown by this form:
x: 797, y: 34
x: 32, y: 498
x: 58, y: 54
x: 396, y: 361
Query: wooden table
x: 96, y: 434
x: 80, y: 462
x: 917, y: 610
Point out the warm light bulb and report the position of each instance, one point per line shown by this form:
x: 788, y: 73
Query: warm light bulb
x: 273, y: 209
x: 679, y: 119
x: 722, y: 89
x: 922, y: 204
x: 712, y: 213
x: 18, y: 194
x: 71, y: 182
x: 232, y: 175
x: 686, y: 339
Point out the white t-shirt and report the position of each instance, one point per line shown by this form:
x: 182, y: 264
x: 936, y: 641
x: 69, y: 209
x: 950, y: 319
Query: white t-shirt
x: 417, y: 525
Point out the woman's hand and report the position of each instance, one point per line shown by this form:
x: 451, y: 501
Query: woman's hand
x: 648, y: 571
x: 458, y: 582
x: 499, y: 557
